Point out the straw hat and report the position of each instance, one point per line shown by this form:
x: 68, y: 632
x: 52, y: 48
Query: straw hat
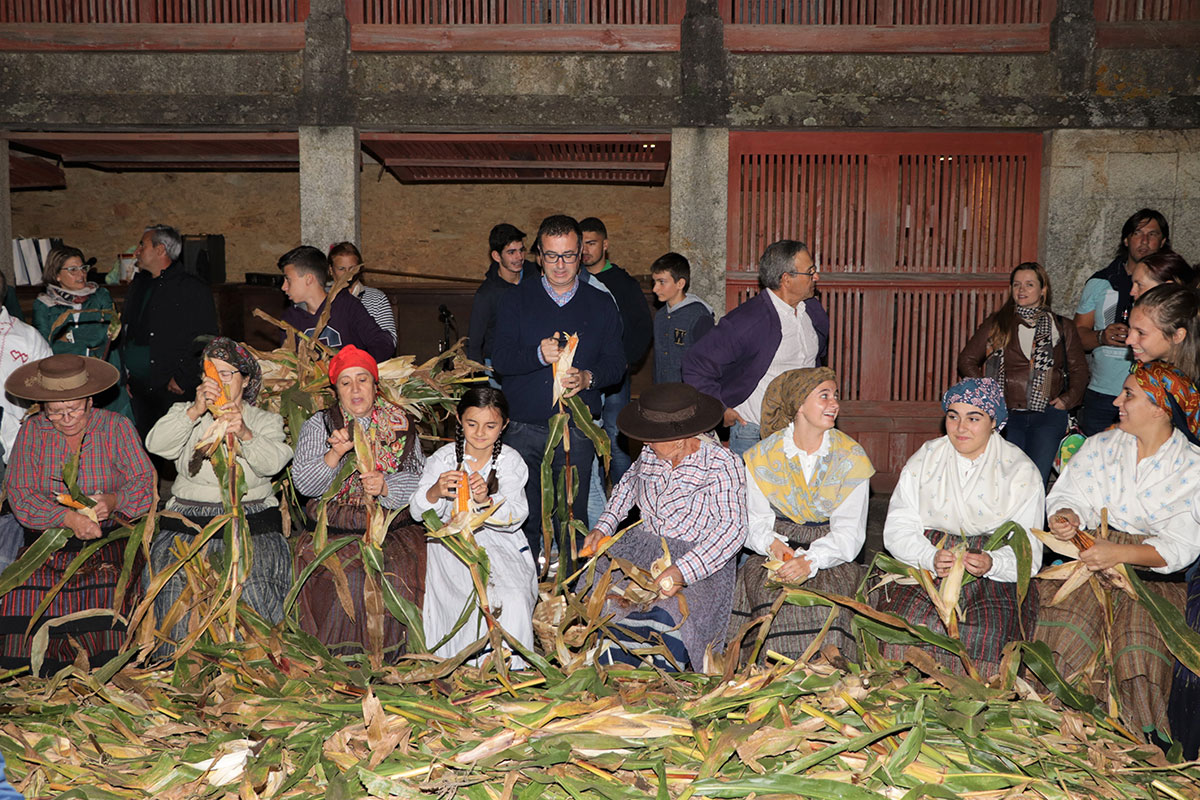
x: 61, y: 377
x: 669, y: 411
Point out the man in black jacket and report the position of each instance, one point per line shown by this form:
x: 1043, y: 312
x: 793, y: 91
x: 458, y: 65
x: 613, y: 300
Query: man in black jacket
x: 509, y: 267
x: 636, y: 335
x: 166, y: 309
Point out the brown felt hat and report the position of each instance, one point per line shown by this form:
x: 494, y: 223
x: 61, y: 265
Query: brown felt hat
x: 787, y: 393
x: 669, y: 411
x: 61, y: 377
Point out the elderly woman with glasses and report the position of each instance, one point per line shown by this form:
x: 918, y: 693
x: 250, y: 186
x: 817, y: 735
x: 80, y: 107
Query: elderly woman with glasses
x: 114, y: 473
x: 74, y: 314
x: 263, y: 452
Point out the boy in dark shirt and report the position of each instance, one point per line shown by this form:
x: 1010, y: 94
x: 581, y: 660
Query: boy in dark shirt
x: 681, y: 321
x: 304, y: 270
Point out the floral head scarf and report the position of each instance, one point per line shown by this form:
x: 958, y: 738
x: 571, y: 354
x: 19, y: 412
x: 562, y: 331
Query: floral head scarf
x: 983, y: 393
x: 1170, y: 390
x: 234, y: 354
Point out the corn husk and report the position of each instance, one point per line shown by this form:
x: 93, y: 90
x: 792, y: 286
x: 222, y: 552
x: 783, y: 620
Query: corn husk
x: 566, y: 355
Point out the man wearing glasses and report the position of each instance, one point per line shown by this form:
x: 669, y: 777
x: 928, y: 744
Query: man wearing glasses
x: 531, y: 327
x: 781, y: 328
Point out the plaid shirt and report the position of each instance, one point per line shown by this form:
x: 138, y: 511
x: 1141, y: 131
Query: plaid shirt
x: 702, y: 500
x: 113, y: 461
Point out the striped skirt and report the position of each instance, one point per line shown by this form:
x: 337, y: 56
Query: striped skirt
x: 991, y: 616
x: 794, y: 627
x: 321, y: 612
x: 270, y: 568
x: 91, y: 587
x: 1141, y: 663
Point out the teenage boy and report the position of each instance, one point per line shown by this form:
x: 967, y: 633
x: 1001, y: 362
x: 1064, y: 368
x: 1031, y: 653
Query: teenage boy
x: 682, y: 320
x: 304, y: 270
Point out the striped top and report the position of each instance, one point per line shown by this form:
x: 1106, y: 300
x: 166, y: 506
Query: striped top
x: 702, y: 500
x: 312, y: 476
x: 380, y: 308
x: 112, y: 462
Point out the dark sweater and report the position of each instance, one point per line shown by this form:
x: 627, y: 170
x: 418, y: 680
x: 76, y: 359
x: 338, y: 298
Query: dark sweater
x: 638, y: 330
x: 349, y: 323
x: 163, y: 316
x: 481, y: 330
x: 675, y: 331
x: 531, y: 316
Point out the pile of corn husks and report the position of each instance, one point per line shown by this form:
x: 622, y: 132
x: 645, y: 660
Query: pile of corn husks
x: 280, y: 718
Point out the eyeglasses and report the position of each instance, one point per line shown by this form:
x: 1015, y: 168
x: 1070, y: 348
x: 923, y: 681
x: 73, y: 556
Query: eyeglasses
x: 566, y: 258
x: 226, y: 375
x: 809, y: 272
x: 69, y: 413
x: 73, y: 269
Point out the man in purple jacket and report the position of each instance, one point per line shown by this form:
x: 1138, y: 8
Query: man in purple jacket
x: 783, y: 327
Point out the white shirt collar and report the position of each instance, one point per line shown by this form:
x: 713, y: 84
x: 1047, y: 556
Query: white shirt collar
x: 783, y: 308
x: 792, y: 451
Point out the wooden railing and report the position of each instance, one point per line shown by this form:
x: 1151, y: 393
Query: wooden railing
x: 894, y: 342
x: 831, y: 26
x: 505, y: 25
x: 895, y: 338
x: 1147, y: 23
x: 152, y: 24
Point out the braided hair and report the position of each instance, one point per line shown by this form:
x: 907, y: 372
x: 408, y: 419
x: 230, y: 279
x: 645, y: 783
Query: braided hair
x: 482, y: 397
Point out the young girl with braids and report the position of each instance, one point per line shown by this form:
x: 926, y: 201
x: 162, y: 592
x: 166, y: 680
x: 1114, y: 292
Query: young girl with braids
x: 493, y: 473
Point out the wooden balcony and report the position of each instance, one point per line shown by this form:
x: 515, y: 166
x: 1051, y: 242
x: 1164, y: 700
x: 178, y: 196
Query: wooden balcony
x: 171, y: 25
x: 523, y: 25
x: 888, y: 26
x: 1147, y: 23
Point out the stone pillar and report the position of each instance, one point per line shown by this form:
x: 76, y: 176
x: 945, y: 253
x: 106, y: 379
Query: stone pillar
x: 6, y: 231
x: 700, y: 207
x: 329, y: 189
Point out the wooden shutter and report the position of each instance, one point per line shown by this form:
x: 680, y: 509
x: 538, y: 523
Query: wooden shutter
x: 915, y: 235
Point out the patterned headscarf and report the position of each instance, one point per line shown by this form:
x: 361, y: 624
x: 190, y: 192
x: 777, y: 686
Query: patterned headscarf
x: 239, y: 358
x: 1170, y: 390
x: 983, y: 393
x: 787, y: 393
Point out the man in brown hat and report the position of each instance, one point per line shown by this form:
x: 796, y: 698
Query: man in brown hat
x: 692, y: 495
x: 114, y: 474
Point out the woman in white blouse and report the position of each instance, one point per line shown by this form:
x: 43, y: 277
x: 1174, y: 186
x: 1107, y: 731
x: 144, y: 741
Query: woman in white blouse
x: 807, y: 490
x: 957, y: 490
x: 495, y: 474
x: 1145, y: 472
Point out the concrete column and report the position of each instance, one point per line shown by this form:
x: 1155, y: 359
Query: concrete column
x: 329, y: 192
x: 6, y: 231
x: 700, y: 207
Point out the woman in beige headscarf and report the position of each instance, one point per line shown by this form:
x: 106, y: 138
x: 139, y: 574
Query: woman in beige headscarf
x: 808, y: 485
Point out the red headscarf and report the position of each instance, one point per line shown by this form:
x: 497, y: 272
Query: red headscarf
x: 351, y: 356
x: 1170, y: 390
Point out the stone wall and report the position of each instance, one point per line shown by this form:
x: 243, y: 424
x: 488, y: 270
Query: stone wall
x: 1092, y: 181
x: 439, y: 229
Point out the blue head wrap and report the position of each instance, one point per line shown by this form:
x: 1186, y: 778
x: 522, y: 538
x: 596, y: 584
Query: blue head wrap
x: 983, y: 393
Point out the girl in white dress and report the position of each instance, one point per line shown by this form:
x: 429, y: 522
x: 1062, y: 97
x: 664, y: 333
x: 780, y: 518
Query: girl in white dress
x: 494, y: 472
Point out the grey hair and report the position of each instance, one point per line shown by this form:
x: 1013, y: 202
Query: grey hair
x: 168, y: 237
x: 777, y: 260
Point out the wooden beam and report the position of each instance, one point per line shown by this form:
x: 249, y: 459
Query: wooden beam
x: 21, y: 137
x: 523, y: 38
x: 500, y: 163
x: 26, y: 172
x: 1147, y: 35
x: 272, y: 37
x: 888, y: 38
x: 541, y: 138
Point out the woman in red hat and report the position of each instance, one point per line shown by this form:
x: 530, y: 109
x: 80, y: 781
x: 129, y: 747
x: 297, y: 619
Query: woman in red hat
x: 326, y: 442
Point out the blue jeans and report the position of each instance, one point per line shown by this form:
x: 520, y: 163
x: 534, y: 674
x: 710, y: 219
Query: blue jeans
x: 742, y: 436
x: 1097, y: 412
x: 1038, y: 434
x: 612, y: 405
x: 530, y: 441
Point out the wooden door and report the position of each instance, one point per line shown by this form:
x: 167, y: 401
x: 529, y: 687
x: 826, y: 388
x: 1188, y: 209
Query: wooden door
x: 914, y: 233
